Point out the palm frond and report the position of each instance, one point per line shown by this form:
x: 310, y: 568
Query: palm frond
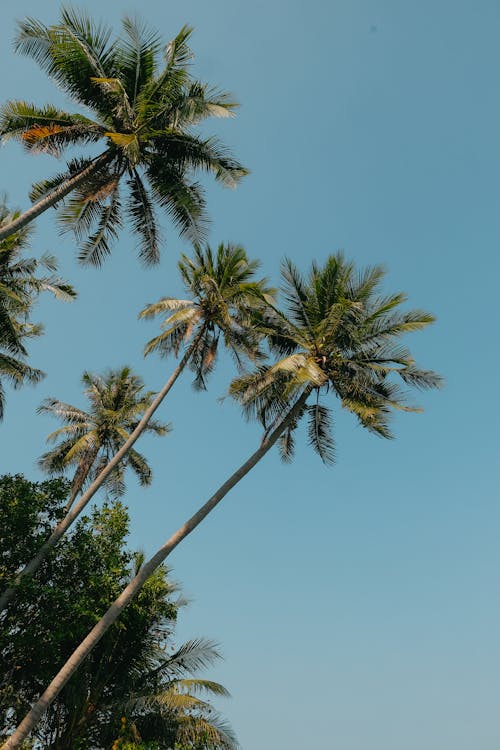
x: 136, y: 56
x: 183, y: 200
x: 165, y: 304
x: 98, y: 245
x: 144, y: 224
x: 185, y: 151
x: 320, y: 432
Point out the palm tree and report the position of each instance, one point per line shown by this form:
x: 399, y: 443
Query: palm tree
x: 339, y: 335
x: 139, y: 671
x: 143, y: 110
x: 159, y: 701
x: 87, y: 440
x: 224, y: 298
x: 20, y: 285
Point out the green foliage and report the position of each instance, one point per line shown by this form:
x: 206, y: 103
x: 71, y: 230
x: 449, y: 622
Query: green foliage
x: 135, y: 689
x: 20, y: 285
x: 339, y: 335
x: 224, y: 297
x: 88, y: 440
x: 144, y: 108
x: 29, y: 511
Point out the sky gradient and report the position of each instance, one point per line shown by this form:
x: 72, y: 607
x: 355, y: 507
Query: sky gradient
x: 356, y: 606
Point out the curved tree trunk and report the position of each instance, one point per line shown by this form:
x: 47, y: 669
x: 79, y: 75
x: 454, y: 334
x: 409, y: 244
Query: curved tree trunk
x: 79, y: 655
x: 55, y: 196
x: 66, y: 522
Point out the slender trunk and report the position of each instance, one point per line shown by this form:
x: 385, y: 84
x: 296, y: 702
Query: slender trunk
x: 79, y: 655
x: 55, y: 196
x: 81, y: 475
x: 66, y: 522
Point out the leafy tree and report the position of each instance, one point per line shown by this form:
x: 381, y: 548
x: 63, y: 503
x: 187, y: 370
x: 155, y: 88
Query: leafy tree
x: 20, y: 285
x: 143, y: 110
x: 87, y: 440
x: 136, y: 673
x: 28, y: 511
x: 224, y: 297
x: 340, y: 336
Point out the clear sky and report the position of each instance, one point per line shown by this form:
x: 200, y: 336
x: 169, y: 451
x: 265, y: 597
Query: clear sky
x: 357, y: 607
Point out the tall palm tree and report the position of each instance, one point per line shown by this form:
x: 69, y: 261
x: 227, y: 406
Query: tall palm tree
x: 87, y: 440
x: 20, y: 285
x: 142, y: 109
x: 224, y: 300
x: 339, y: 336
x: 92, y: 442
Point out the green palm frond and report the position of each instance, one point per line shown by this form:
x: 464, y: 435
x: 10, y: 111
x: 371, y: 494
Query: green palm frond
x: 196, y: 654
x: 95, y: 249
x: 71, y: 53
x: 319, y: 431
x: 143, y: 109
x: 213, y: 732
x: 46, y: 129
x: 143, y: 219
x: 117, y: 403
x: 225, y: 298
x: 179, y: 327
x: 136, y: 61
x: 196, y: 686
x: 338, y: 335
x: 207, y: 155
x: 287, y: 444
x: 20, y: 285
x: 165, y: 304
x: 183, y: 200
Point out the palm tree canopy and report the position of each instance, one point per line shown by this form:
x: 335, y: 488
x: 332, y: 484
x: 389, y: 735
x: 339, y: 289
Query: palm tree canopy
x: 144, y: 106
x: 117, y: 402
x: 338, y: 334
x: 164, y: 704
x: 223, y: 297
x: 20, y: 285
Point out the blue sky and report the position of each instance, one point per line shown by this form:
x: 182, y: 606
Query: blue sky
x: 357, y: 606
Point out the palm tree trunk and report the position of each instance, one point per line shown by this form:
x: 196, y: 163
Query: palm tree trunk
x: 55, y: 196
x: 81, y: 475
x: 79, y: 655
x: 66, y: 522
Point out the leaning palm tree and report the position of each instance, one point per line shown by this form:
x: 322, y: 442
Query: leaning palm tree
x: 93, y: 441
x: 142, y: 109
x: 87, y: 440
x: 20, y: 285
x: 340, y: 336
x: 224, y: 299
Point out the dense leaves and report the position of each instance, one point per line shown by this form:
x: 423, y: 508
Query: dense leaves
x: 223, y: 299
x: 145, y: 106
x: 20, y: 285
x: 340, y: 336
x: 136, y: 682
x: 87, y: 440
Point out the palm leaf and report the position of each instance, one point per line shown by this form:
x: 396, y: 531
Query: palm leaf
x: 98, y: 245
x: 144, y: 224
x: 319, y: 432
